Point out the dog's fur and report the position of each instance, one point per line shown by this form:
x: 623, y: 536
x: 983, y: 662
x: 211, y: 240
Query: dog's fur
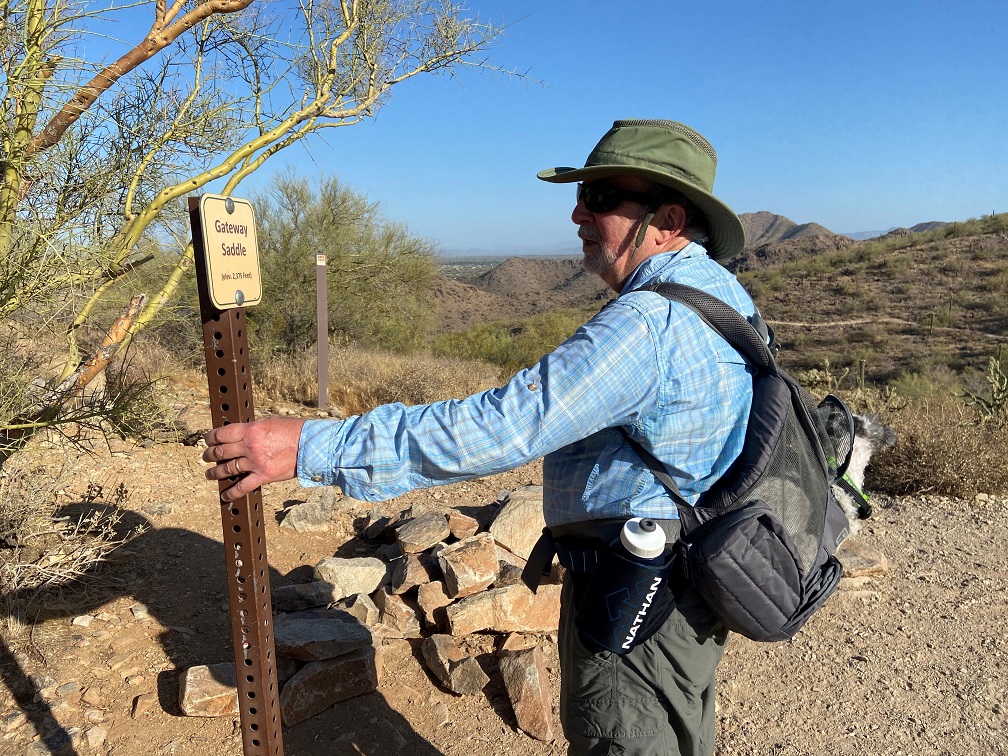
x: 870, y: 436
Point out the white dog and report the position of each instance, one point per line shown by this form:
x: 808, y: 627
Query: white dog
x: 870, y: 436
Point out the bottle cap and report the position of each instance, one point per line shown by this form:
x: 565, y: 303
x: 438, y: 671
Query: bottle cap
x: 643, y: 538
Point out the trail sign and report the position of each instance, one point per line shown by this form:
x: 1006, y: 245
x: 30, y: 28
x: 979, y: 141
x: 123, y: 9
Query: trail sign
x: 229, y: 378
x: 231, y: 250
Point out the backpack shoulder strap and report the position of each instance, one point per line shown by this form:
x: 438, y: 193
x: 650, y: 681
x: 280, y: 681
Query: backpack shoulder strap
x: 749, y: 337
x: 737, y: 330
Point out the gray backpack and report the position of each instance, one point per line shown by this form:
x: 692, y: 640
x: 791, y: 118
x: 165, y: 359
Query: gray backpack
x: 759, y: 545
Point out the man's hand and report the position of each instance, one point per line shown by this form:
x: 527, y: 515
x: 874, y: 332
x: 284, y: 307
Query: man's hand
x: 263, y: 451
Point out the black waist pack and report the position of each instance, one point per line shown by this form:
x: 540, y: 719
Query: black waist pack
x: 759, y: 545
x: 619, y: 601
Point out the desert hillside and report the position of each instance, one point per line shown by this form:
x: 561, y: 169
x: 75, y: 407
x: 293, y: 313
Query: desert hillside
x: 907, y: 302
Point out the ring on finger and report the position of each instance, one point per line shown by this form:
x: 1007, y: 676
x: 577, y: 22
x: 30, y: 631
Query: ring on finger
x: 237, y: 469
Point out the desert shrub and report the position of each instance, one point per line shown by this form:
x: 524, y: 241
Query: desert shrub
x: 42, y: 548
x: 940, y: 448
x: 378, y: 274
x: 360, y: 378
x: 512, y: 346
x: 917, y: 385
x: 896, y: 264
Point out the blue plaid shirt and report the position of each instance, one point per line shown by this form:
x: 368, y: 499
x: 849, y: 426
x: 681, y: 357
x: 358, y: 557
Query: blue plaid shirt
x: 643, y: 363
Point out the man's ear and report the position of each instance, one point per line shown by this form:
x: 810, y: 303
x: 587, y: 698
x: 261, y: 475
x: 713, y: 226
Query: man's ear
x: 670, y: 220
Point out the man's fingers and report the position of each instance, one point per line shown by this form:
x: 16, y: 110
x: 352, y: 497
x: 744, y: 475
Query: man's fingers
x: 243, y: 487
x: 221, y: 452
x: 226, y: 434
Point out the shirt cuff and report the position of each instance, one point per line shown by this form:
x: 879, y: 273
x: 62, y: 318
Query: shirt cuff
x: 315, y: 460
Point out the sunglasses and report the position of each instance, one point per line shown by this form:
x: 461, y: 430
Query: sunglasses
x: 600, y: 197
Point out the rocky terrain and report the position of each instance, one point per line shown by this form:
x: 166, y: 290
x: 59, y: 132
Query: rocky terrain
x: 909, y: 658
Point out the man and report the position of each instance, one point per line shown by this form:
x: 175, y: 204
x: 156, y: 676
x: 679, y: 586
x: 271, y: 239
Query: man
x: 645, y: 213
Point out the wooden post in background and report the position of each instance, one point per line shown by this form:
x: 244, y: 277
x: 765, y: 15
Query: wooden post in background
x: 322, y: 318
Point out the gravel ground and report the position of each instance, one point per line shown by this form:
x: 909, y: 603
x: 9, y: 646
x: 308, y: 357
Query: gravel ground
x: 909, y: 662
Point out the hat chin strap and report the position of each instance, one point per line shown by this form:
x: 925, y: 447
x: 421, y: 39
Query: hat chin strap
x: 642, y: 231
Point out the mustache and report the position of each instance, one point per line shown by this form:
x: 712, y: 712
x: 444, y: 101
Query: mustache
x: 587, y: 233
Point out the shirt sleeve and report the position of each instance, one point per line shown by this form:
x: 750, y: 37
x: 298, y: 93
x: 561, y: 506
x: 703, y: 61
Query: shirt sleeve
x: 603, y: 376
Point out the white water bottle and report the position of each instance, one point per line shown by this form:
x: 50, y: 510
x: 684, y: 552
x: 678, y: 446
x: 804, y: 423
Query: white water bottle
x: 643, y: 538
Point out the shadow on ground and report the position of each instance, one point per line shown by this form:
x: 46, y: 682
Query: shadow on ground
x: 178, y: 576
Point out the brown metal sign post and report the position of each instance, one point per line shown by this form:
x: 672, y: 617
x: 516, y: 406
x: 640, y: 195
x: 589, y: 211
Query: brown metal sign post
x: 224, y: 276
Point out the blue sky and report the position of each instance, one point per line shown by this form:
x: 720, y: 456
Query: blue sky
x: 856, y: 115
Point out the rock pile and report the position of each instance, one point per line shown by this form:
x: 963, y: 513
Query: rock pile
x: 438, y: 576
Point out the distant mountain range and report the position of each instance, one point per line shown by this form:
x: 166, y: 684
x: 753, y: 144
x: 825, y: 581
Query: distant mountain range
x: 761, y: 228
x: 765, y: 227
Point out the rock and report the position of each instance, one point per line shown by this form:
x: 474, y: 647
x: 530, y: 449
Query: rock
x: 441, y: 714
x: 377, y: 526
x: 71, y: 689
x: 469, y: 565
x: 362, y: 607
x: 286, y: 668
x: 293, y: 598
x: 320, y: 684
x: 13, y: 720
x: 84, y: 620
x: 352, y: 576
x: 513, y: 608
x: 397, y: 618
x: 310, y: 517
x: 95, y: 737
x: 507, y: 574
x: 518, y: 642
x: 422, y: 532
x: 457, y: 672
x: 92, y: 696
x: 520, y: 522
x: 860, y: 560
x: 319, y: 634
x: 94, y: 716
x: 325, y: 497
x: 432, y: 599
x: 160, y: 508
x: 146, y: 701
x: 413, y: 570
x: 462, y: 526
x: 209, y: 691
x: 389, y: 552
x: 528, y: 688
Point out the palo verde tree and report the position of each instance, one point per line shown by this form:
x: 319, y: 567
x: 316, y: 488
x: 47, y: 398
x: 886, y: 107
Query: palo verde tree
x: 98, y: 154
x: 378, y: 273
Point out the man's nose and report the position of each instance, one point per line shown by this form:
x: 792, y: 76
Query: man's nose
x: 580, y: 214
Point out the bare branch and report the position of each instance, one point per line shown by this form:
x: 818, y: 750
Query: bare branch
x: 159, y: 38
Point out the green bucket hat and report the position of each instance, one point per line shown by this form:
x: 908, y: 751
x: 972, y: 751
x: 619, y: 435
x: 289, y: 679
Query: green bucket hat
x: 668, y: 153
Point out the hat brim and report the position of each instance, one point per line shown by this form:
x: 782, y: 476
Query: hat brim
x: 727, y: 237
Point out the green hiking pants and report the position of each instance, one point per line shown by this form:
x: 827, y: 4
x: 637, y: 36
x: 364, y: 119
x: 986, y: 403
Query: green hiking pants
x: 657, y: 700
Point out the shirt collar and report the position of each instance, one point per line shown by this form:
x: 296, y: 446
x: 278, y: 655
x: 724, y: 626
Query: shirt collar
x: 654, y: 265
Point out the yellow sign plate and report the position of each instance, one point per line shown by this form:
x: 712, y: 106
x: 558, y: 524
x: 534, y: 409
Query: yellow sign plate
x: 232, y: 251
